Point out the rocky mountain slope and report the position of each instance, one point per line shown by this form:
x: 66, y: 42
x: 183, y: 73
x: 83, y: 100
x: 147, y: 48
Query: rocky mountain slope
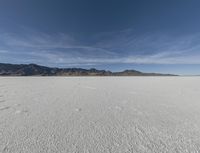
x: 37, y: 70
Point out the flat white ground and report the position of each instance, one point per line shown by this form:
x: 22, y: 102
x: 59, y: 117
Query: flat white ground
x: 99, y: 114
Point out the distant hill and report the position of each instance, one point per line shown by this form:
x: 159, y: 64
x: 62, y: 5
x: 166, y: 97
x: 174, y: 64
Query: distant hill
x: 37, y: 70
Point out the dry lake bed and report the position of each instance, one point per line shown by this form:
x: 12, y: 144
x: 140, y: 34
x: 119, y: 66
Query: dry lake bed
x: 100, y: 114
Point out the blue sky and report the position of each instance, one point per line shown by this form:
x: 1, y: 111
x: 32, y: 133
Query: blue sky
x: 151, y: 36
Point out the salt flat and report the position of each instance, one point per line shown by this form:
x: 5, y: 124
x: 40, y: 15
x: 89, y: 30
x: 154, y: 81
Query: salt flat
x: 99, y: 114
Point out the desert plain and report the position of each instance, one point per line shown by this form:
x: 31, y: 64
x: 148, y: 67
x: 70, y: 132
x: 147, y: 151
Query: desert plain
x: 100, y: 114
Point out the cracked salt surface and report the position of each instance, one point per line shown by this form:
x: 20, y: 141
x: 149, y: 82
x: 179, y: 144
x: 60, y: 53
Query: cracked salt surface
x: 99, y: 114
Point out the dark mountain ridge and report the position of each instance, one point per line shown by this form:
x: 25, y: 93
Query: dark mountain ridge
x: 37, y: 70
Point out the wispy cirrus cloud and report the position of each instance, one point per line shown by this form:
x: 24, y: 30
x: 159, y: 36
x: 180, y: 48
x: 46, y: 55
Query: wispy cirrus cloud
x: 106, y: 48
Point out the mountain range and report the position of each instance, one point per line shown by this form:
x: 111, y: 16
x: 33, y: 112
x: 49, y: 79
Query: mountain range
x: 38, y: 70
